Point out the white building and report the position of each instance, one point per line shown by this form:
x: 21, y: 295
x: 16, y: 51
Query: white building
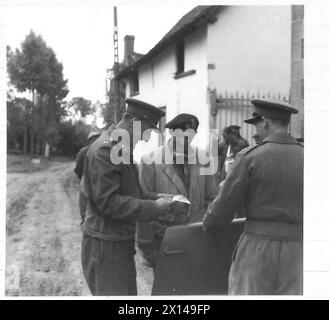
x: 215, y: 50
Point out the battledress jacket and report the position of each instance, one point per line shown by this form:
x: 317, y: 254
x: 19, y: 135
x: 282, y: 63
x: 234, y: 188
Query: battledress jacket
x: 115, y: 200
x: 267, y: 180
x: 80, y: 160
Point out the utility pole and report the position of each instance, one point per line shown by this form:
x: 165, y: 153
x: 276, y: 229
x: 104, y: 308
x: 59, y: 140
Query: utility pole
x: 116, y: 67
x: 115, y: 37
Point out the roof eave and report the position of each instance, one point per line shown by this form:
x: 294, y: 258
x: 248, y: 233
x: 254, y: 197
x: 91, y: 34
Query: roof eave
x: 189, y: 28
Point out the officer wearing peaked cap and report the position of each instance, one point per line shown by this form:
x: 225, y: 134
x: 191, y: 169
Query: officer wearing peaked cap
x: 272, y: 109
x: 144, y: 111
x: 267, y: 180
x: 115, y: 204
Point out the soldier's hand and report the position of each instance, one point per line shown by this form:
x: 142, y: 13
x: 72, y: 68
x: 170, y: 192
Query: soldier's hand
x: 164, y: 205
x: 180, y: 208
x: 165, y: 210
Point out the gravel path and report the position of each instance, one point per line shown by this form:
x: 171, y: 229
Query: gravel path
x: 44, y: 236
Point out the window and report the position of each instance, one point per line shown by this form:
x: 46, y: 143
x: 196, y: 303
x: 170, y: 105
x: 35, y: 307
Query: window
x: 134, y: 84
x: 302, y: 88
x: 180, y: 62
x: 180, y: 53
x: 302, y: 48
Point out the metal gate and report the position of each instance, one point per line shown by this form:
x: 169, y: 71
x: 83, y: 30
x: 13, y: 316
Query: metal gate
x: 228, y: 109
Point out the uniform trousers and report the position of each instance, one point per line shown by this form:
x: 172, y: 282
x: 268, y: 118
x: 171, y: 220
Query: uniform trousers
x: 83, y: 201
x: 109, y: 266
x: 264, y: 266
x: 148, y: 243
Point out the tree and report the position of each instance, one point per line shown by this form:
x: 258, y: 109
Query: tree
x: 82, y: 105
x: 17, y: 123
x: 34, y: 68
x: 72, y: 137
x: 108, y: 114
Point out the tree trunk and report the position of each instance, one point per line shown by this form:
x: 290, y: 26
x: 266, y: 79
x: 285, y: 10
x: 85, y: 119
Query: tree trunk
x: 25, y: 139
x: 40, y: 120
x: 31, y: 138
x: 47, y: 150
x: 38, y: 145
x: 32, y: 124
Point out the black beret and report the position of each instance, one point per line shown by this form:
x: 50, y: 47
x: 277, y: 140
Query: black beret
x: 182, y: 120
x: 144, y: 111
x: 232, y: 129
x: 272, y: 109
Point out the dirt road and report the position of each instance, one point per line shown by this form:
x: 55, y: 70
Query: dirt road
x: 44, y: 235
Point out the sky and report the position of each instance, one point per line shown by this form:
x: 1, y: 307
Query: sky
x: 82, y: 36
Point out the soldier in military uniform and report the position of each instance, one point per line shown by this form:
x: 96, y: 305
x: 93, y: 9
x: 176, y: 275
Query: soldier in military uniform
x: 115, y: 203
x: 179, y: 177
x: 80, y: 158
x: 267, y: 180
x: 79, y: 164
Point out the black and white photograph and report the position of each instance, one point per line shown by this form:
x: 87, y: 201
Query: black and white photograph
x: 157, y: 149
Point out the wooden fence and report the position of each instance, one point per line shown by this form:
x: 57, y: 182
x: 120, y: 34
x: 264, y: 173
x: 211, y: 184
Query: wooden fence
x: 232, y: 109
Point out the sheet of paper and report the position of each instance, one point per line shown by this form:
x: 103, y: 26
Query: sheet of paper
x: 181, y: 198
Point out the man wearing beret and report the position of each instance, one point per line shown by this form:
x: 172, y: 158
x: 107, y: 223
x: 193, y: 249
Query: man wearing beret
x: 267, y: 180
x: 232, y: 144
x: 179, y: 176
x: 80, y: 160
x: 115, y: 204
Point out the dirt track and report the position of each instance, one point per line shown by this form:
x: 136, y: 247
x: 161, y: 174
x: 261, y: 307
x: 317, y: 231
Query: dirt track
x: 43, y: 233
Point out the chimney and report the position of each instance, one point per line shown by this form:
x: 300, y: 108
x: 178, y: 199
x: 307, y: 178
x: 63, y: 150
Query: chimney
x: 128, y: 48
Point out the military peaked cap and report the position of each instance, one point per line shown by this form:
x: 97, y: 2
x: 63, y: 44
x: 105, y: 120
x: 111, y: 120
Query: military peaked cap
x: 93, y: 135
x: 144, y: 111
x: 272, y: 109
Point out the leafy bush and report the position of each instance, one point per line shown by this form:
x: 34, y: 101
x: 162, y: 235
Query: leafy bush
x: 72, y: 137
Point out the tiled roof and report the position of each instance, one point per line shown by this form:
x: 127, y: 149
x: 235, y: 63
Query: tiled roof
x: 187, y: 24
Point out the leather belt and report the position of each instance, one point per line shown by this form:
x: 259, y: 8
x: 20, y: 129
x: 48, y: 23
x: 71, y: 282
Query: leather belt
x: 275, y: 230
